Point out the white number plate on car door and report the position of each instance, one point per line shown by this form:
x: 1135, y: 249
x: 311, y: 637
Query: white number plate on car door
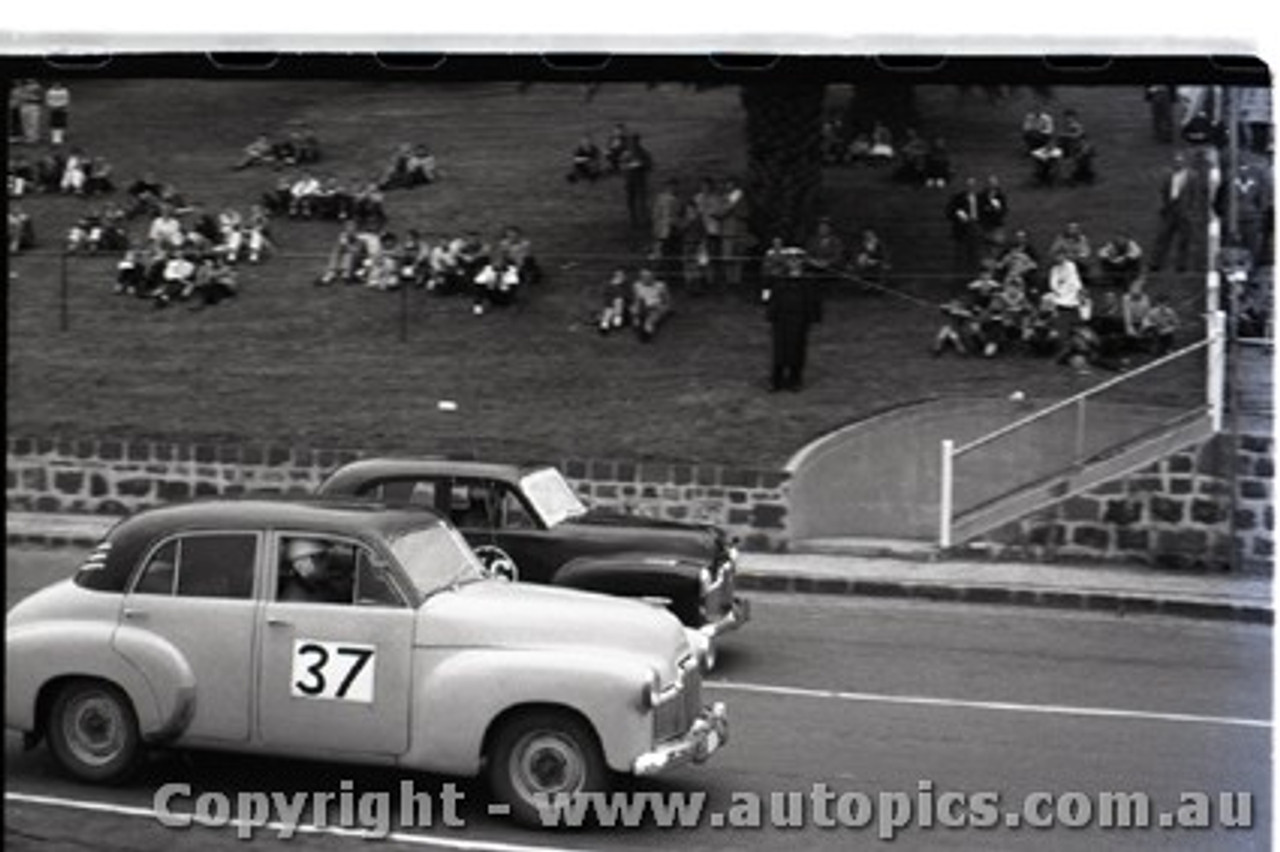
x: 333, y: 670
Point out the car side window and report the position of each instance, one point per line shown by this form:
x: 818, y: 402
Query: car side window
x: 403, y: 492
x: 471, y: 504
x: 207, y: 565
x: 320, y: 569
x: 160, y: 571
x: 512, y: 514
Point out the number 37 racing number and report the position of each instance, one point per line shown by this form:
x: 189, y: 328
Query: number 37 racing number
x: 333, y: 670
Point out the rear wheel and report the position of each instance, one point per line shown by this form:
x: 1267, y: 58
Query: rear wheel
x: 93, y: 731
x: 539, y: 755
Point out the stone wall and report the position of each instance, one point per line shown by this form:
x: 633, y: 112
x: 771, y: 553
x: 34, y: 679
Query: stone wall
x: 117, y: 477
x: 1177, y: 513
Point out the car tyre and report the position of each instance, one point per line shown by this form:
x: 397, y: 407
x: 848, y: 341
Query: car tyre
x: 93, y: 732
x: 537, y: 755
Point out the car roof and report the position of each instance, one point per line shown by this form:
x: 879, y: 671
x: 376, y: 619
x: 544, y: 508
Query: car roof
x: 363, y: 470
x: 132, y: 537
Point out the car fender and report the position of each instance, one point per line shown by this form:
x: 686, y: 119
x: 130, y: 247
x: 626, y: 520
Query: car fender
x: 458, y: 695
x: 37, y: 654
x: 645, y: 575
x: 172, y: 681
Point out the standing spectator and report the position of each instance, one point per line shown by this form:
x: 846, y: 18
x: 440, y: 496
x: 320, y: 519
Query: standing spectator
x: 636, y: 163
x: 1177, y: 200
x: 709, y: 204
x: 15, y: 111
x: 668, y: 230
x: 911, y: 159
x: 1161, y: 99
x: 966, y: 233
x: 586, y: 161
x: 937, y: 164
x: 30, y: 101
x: 21, y: 232
x: 993, y: 210
x: 1067, y: 291
x: 1120, y: 261
x: 616, y: 146
x: 650, y: 304
x: 734, y: 233
x: 825, y: 256
x: 774, y: 267
x: 795, y: 305
x: 1071, y: 138
x: 58, y: 100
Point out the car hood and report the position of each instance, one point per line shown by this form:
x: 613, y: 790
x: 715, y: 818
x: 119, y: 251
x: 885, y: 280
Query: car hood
x: 496, y: 613
x: 641, y: 533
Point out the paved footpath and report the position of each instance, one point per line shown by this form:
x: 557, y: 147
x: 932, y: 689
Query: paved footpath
x: 1119, y: 589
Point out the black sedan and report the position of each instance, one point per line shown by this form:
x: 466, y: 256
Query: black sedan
x: 529, y: 523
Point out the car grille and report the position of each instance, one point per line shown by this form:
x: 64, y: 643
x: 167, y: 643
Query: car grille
x: 673, y: 718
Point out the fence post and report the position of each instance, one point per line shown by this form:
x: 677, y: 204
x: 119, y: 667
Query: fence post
x: 1215, y: 380
x: 64, y: 309
x: 945, y: 497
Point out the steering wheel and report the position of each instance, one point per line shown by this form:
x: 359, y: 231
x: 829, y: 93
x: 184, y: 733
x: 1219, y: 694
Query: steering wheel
x: 497, y: 562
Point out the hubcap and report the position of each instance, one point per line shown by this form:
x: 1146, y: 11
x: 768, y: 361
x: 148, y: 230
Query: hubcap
x: 93, y: 728
x: 546, y: 762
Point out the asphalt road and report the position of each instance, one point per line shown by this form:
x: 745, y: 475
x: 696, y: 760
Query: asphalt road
x: 903, y: 702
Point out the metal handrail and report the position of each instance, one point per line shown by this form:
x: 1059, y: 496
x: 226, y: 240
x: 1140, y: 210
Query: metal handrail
x: 1072, y: 400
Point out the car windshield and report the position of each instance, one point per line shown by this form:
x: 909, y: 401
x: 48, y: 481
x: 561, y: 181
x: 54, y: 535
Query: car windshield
x: 436, y: 558
x: 551, y: 496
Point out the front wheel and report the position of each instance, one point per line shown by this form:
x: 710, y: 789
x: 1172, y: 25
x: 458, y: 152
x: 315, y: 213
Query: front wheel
x: 93, y: 732
x: 541, y: 755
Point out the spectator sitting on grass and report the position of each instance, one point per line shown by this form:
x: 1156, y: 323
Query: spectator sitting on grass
x: 1041, y: 330
x: 279, y: 201
x: 368, y: 206
x: 1160, y: 326
x: 496, y: 283
x: 303, y: 196
x: 21, y: 232
x: 1081, y: 347
x: 961, y: 329
x: 586, y: 161
x: 871, y: 258
x: 382, y: 265
x: 881, y: 143
x: 986, y: 285
x: 300, y: 147
x: 22, y: 176
x: 97, y: 177
x: 131, y: 272
x: 1018, y: 261
x: 615, y: 308
x: 145, y: 196
x: 49, y: 170
x: 411, y: 166
x: 1047, y: 162
x: 1037, y: 129
x: 165, y: 230
x: 344, y: 257
x: 650, y: 304
x: 1075, y: 245
x: 413, y: 260
x: 215, y: 281
x: 517, y: 250
x: 1008, y: 314
x: 74, y: 173
x: 178, y: 278
x: 445, y: 276
x: 1120, y: 261
x: 258, y: 152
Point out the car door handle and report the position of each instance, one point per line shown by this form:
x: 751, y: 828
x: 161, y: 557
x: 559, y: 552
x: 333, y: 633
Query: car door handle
x: 130, y: 612
x: 277, y: 622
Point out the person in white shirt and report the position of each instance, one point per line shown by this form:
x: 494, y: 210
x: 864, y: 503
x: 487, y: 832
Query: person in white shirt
x: 650, y: 302
x: 166, y: 230
x: 1067, y: 292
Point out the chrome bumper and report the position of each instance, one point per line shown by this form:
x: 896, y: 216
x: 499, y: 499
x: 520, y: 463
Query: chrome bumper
x: 738, y: 615
x: 705, y: 736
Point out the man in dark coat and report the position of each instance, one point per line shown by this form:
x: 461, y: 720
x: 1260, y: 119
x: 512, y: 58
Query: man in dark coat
x: 963, y: 211
x: 794, y: 304
x: 1178, y: 200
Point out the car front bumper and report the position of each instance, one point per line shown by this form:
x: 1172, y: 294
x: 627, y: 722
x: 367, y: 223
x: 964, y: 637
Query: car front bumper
x: 705, y: 736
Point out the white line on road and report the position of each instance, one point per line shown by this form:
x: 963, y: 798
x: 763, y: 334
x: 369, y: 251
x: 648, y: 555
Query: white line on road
x: 394, y: 836
x: 1046, y: 709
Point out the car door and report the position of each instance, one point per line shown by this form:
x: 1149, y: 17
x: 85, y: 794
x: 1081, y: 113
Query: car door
x: 196, y: 592
x: 336, y: 671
